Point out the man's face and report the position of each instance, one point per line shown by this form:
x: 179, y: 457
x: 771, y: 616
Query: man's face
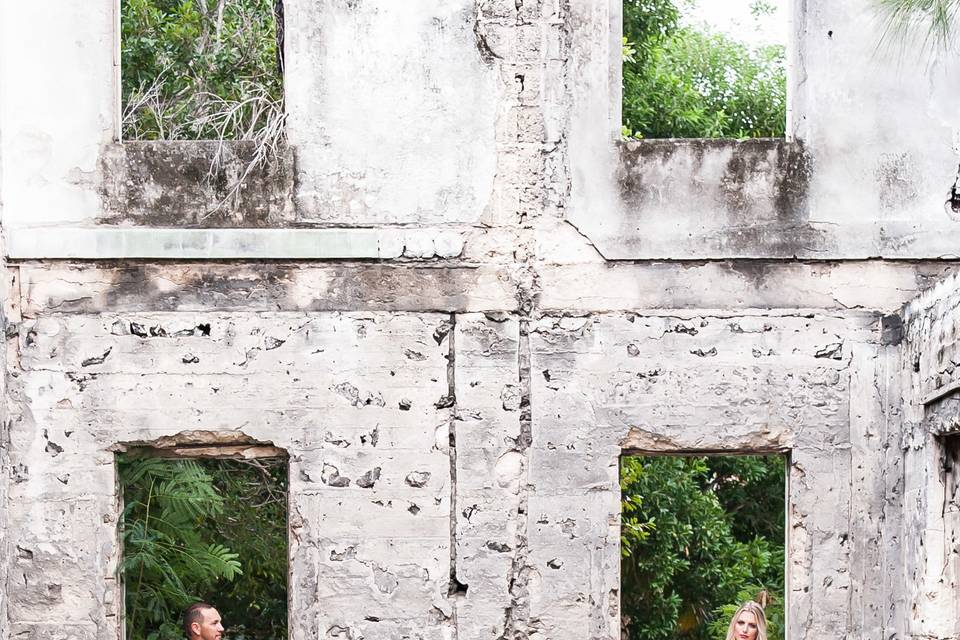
x: 209, y: 628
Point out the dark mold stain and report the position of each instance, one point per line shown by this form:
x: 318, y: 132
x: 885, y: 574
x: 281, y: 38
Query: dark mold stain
x: 276, y: 286
x: 762, y: 192
x: 178, y: 184
x: 891, y: 329
x: 487, y: 54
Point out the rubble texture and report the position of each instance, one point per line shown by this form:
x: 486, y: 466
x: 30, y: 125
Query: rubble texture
x: 457, y: 299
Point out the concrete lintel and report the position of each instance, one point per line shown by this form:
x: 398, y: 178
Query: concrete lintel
x: 225, y: 244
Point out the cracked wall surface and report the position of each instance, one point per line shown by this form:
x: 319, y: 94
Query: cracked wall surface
x: 802, y: 383
x: 929, y: 435
x: 5, y: 468
x: 457, y: 299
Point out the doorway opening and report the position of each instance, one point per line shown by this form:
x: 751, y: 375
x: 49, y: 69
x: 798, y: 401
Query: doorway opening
x: 204, y: 529
x: 701, y: 535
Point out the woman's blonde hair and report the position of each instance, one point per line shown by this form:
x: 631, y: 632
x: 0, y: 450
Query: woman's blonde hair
x: 750, y: 607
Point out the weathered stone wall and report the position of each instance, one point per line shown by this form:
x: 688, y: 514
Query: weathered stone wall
x: 800, y: 383
x: 950, y: 476
x: 456, y: 299
x: 931, y: 422
x: 357, y: 400
x: 5, y: 470
x: 519, y: 421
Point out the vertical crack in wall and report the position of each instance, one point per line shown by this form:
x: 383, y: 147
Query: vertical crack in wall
x: 517, y: 615
x: 10, y: 323
x: 455, y: 589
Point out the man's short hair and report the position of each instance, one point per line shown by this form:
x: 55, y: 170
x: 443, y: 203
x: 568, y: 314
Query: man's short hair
x: 193, y: 613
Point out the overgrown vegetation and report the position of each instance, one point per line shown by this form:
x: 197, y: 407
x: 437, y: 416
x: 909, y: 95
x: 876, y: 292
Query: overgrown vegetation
x: 201, y: 70
x: 682, y: 82
x: 212, y: 530
x: 699, y: 536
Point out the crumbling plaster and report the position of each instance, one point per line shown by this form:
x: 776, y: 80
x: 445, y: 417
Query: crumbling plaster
x: 459, y: 289
x: 931, y: 413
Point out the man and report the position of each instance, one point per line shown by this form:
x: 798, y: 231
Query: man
x: 202, y: 622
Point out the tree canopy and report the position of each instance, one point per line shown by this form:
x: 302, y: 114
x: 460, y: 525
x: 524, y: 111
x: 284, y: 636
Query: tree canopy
x: 683, y: 82
x: 698, y: 537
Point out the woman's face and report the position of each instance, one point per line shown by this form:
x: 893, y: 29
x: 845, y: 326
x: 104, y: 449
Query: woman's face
x: 746, y: 626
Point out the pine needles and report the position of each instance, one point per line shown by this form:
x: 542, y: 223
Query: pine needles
x: 936, y: 20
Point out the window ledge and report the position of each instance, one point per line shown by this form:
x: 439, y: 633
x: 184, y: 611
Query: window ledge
x: 227, y: 244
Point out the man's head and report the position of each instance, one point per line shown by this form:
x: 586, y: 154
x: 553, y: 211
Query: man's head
x: 202, y: 622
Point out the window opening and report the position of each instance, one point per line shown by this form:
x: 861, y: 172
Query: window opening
x: 202, y: 70
x: 704, y: 68
x: 208, y: 530
x: 700, y: 535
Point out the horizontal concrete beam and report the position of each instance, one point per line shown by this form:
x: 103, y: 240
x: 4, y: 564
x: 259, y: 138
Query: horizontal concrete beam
x: 227, y: 244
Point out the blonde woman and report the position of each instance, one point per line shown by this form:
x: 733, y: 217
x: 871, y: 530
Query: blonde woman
x: 748, y: 623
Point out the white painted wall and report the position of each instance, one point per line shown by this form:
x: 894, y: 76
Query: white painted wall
x: 56, y: 108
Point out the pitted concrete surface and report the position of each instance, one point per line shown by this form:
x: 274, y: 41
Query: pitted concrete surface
x: 527, y: 299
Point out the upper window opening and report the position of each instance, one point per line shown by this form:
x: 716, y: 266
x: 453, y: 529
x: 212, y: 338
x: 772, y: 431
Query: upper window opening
x: 204, y: 530
x: 700, y: 537
x: 704, y: 68
x: 202, y: 69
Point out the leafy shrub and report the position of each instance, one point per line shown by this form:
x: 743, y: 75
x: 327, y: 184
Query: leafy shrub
x: 697, y: 534
x: 681, y: 82
x: 186, y: 527
x: 200, y: 69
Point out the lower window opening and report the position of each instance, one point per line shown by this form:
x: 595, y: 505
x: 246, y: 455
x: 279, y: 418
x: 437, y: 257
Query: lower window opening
x: 204, y: 530
x: 700, y: 537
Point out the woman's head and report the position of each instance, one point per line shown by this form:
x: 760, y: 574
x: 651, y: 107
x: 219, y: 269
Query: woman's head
x: 748, y: 623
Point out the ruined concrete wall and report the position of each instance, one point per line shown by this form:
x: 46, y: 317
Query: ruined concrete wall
x: 375, y: 139
x: 671, y: 383
x: 357, y: 400
x: 8, y: 288
x: 950, y: 477
x: 931, y: 422
x: 518, y: 421
x: 870, y: 145
x: 457, y: 299
x: 7, y: 293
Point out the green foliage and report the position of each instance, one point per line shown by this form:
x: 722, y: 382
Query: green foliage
x: 254, y: 522
x: 648, y: 23
x: 186, y: 524
x: 684, y: 83
x: 697, y: 533
x: 167, y: 562
x: 200, y: 69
